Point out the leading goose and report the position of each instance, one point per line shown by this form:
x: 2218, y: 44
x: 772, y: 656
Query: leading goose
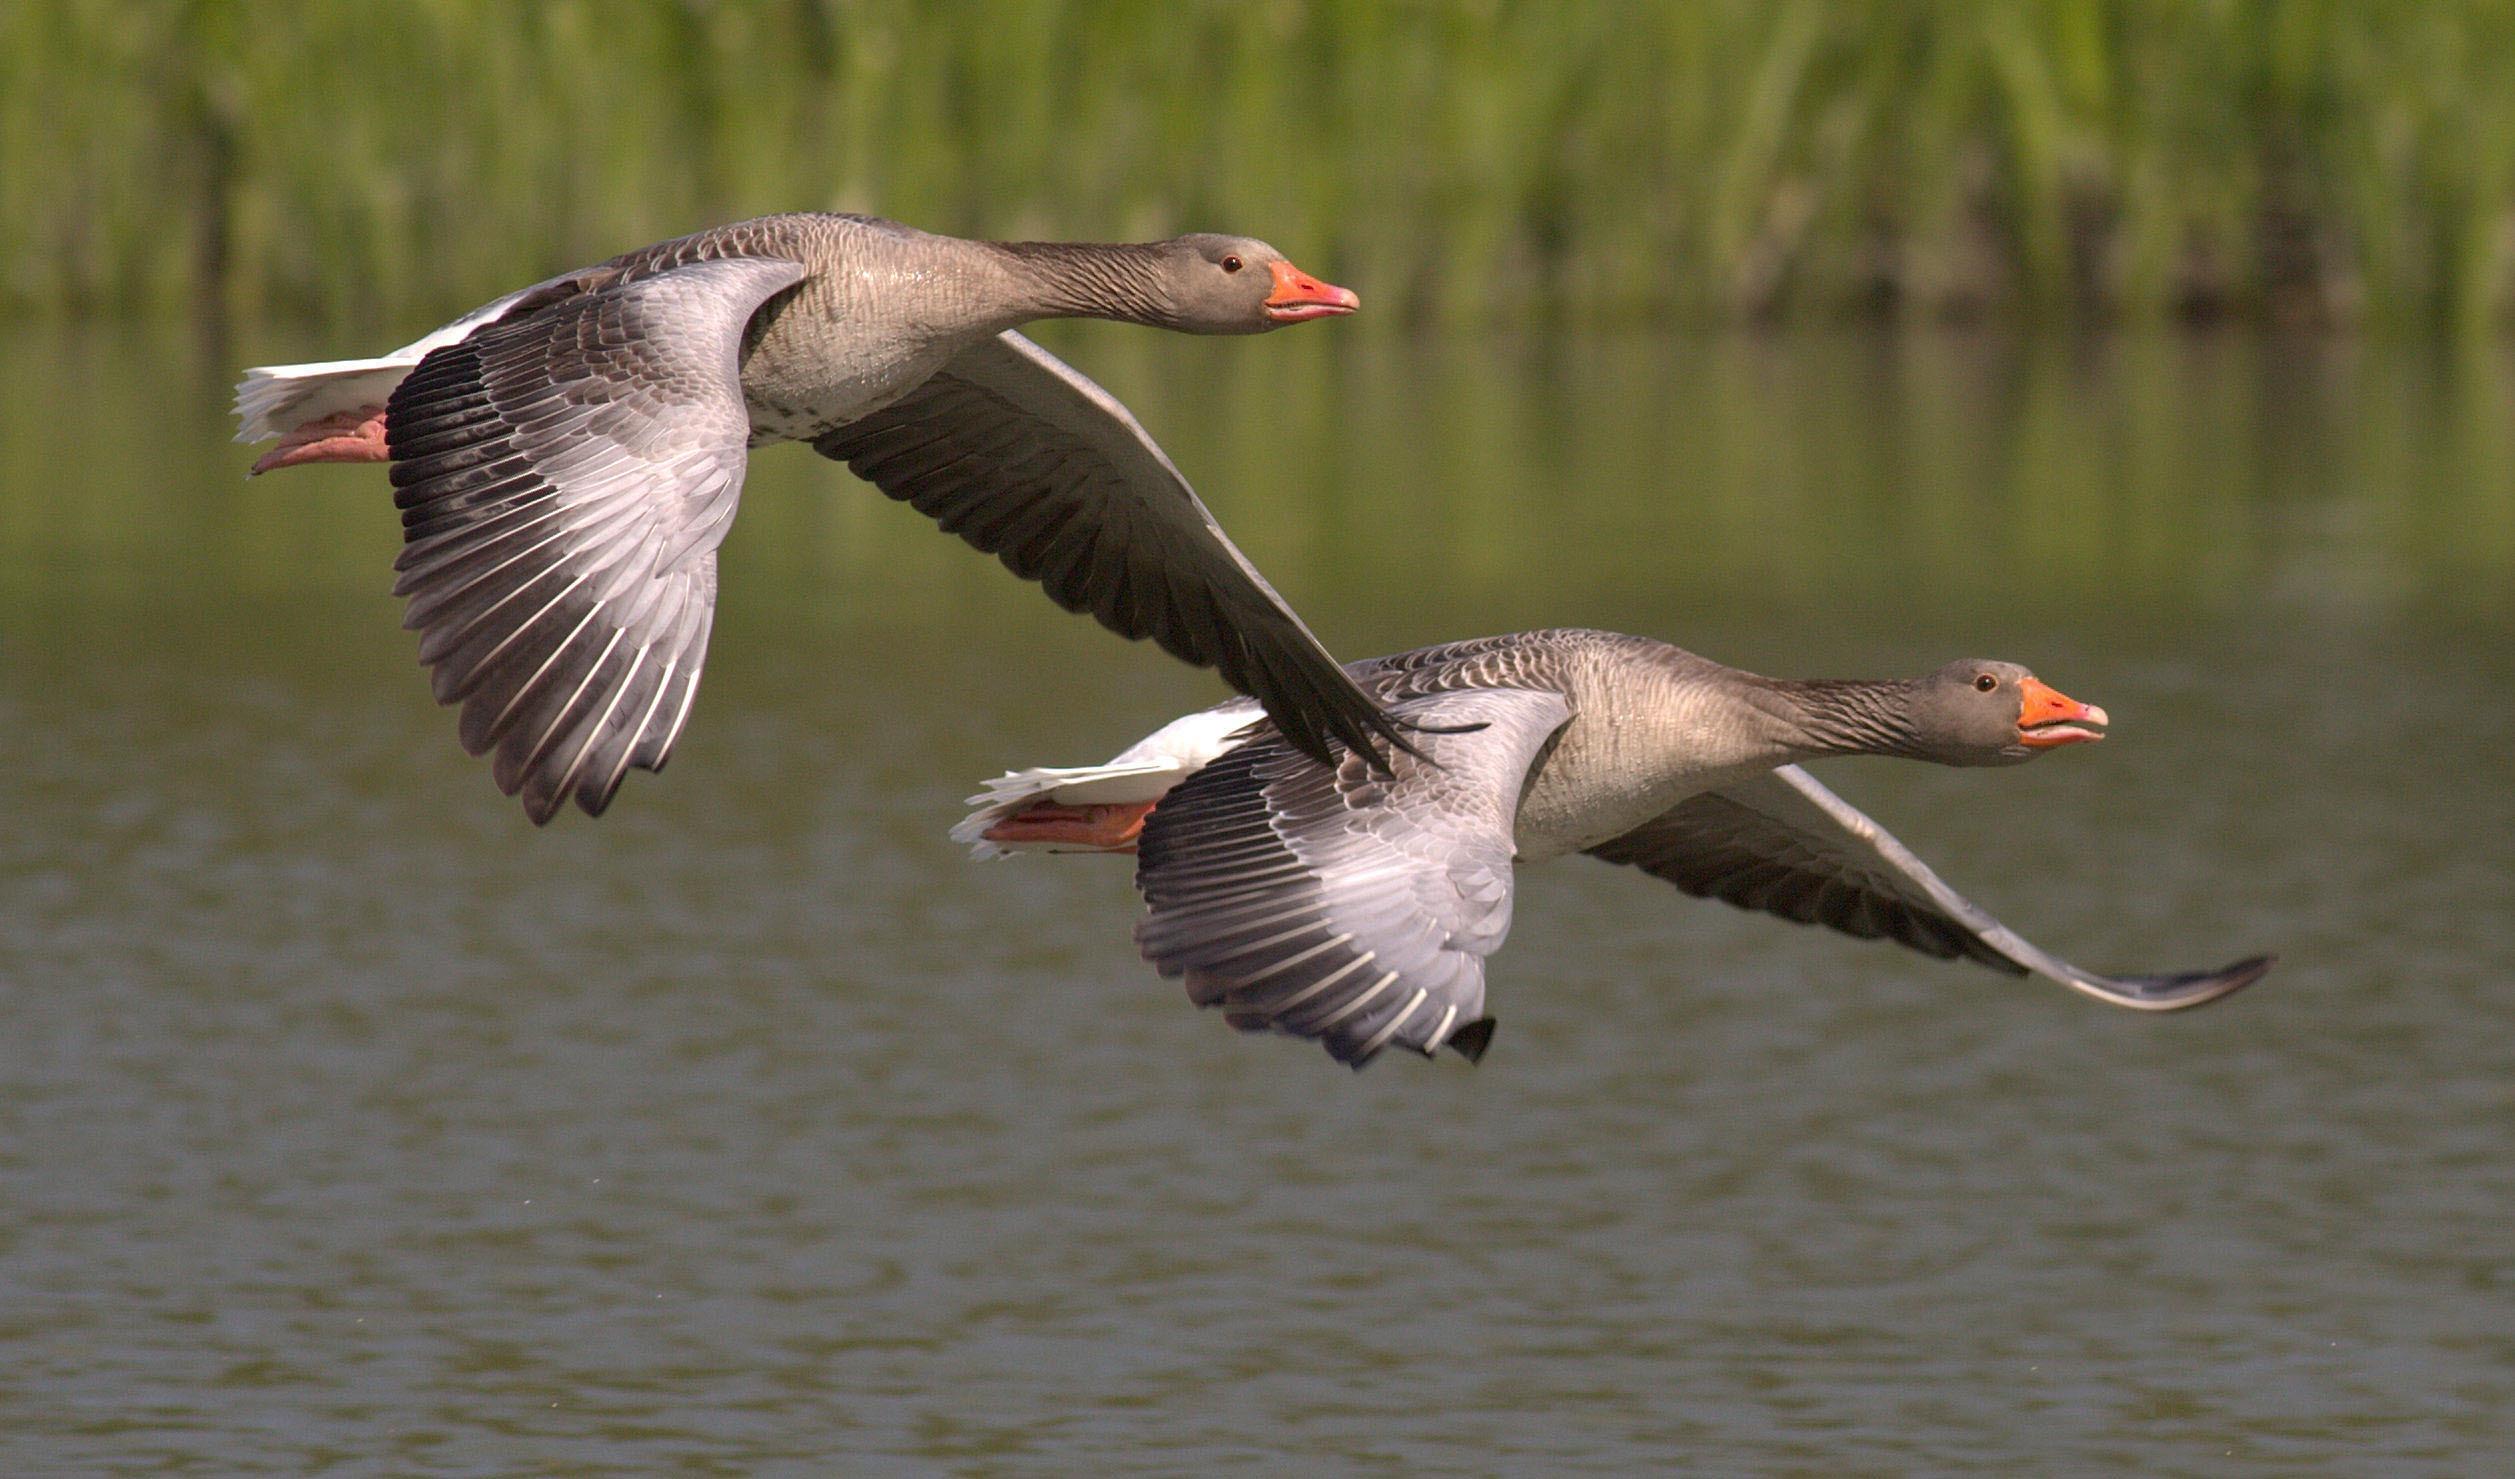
x: 1330, y: 903
x: 567, y: 460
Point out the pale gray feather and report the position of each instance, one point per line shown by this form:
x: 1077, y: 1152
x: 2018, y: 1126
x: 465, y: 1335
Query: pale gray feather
x: 565, y: 478
x: 1330, y: 903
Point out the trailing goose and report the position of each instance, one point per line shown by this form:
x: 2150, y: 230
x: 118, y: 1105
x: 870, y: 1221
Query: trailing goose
x: 1330, y: 903
x: 568, y: 458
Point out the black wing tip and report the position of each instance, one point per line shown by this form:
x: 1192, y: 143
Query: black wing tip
x: 1363, y: 726
x: 1374, y: 745
x: 543, y: 810
x: 1473, y: 1038
x: 2229, y: 980
x: 541, y: 803
x: 1394, y: 729
x: 2180, y: 993
x: 544, y: 803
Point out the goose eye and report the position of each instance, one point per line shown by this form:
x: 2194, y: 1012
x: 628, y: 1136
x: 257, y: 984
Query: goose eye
x: 1231, y: 264
x: 1985, y: 683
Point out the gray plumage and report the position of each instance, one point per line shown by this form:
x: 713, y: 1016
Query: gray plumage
x: 564, y: 480
x: 1009, y: 448
x: 1784, y: 844
x: 1334, y: 904
x: 1357, y: 909
x: 568, y: 459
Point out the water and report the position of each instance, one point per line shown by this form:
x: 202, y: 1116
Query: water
x: 348, y: 1122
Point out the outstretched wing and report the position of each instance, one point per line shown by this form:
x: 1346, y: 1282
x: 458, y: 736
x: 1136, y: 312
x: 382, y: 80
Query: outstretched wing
x: 1329, y: 903
x: 1013, y: 450
x: 1784, y: 844
x: 565, y: 479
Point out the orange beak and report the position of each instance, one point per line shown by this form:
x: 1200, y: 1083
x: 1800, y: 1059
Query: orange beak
x: 1300, y: 296
x: 2046, y: 717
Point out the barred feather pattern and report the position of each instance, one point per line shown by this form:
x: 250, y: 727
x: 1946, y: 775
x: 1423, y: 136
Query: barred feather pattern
x: 565, y: 479
x: 1331, y: 903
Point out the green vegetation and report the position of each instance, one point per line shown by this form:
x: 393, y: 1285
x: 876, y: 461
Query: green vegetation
x: 2143, y: 159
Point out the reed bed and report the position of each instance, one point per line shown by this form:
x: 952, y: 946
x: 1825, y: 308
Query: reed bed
x: 2304, y: 160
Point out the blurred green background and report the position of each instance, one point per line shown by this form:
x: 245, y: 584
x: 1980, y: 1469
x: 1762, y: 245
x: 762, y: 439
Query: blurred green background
x: 2104, y: 160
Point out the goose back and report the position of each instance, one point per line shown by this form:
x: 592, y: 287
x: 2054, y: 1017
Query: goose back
x: 880, y: 308
x: 1651, y: 725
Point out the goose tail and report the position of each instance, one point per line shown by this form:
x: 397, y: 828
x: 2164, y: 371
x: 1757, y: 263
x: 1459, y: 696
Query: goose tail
x: 1088, y: 808
x: 274, y: 400
x: 1100, y: 808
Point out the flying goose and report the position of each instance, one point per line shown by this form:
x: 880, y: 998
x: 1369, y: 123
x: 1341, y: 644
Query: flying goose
x: 568, y: 458
x: 1328, y: 902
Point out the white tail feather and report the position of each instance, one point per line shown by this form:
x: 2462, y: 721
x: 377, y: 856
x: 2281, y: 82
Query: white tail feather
x: 274, y: 400
x: 1084, y: 785
x: 1145, y: 771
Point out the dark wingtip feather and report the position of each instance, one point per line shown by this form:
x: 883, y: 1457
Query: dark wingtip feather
x: 1394, y: 728
x: 2177, y: 993
x: 1472, y: 1039
x: 539, y: 804
x: 1369, y: 730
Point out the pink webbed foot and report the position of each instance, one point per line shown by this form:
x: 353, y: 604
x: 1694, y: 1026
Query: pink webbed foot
x: 350, y: 436
x: 1105, y: 827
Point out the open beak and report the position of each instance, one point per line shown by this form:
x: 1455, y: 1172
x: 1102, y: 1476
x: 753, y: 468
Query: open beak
x: 2047, y: 717
x: 1300, y: 296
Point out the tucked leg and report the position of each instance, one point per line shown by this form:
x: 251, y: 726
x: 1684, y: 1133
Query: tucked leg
x: 349, y: 436
x: 1106, y: 827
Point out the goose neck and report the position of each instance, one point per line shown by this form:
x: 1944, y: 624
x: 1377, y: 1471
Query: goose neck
x: 1072, y: 279
x: 1848, y: 716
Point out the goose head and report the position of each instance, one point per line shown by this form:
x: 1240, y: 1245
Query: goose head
x: 1240, y: 285
x: 1977, y: 711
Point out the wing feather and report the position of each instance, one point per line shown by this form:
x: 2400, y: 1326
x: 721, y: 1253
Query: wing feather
x: 1786, y: 845
x: 565, y: 477
x: 1014, y: 451
x: 1332, y: 903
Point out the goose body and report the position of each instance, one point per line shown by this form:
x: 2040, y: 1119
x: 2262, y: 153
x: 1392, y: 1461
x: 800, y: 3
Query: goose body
x: 568, y: 457
x: 1357, y: 909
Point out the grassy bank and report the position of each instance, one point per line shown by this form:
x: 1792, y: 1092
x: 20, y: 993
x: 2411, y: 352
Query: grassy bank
x: 2115, y: 159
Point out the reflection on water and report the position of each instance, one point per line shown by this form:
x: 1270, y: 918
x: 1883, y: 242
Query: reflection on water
x: 344, y: 1117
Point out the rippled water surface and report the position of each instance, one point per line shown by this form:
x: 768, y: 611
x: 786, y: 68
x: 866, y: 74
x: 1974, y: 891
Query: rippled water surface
x: 348, y: 1121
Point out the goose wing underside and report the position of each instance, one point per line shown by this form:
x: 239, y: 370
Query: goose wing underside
x: 565, y: 477
x: 1333, y: 904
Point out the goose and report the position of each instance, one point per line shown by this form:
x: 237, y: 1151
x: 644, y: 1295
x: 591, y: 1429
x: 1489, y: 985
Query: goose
x: 567, y: 460
x: 1328, y: 902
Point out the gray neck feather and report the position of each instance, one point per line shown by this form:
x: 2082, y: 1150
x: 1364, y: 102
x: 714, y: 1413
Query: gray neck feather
x: 1074, y: 279
x: 1853, y: 716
